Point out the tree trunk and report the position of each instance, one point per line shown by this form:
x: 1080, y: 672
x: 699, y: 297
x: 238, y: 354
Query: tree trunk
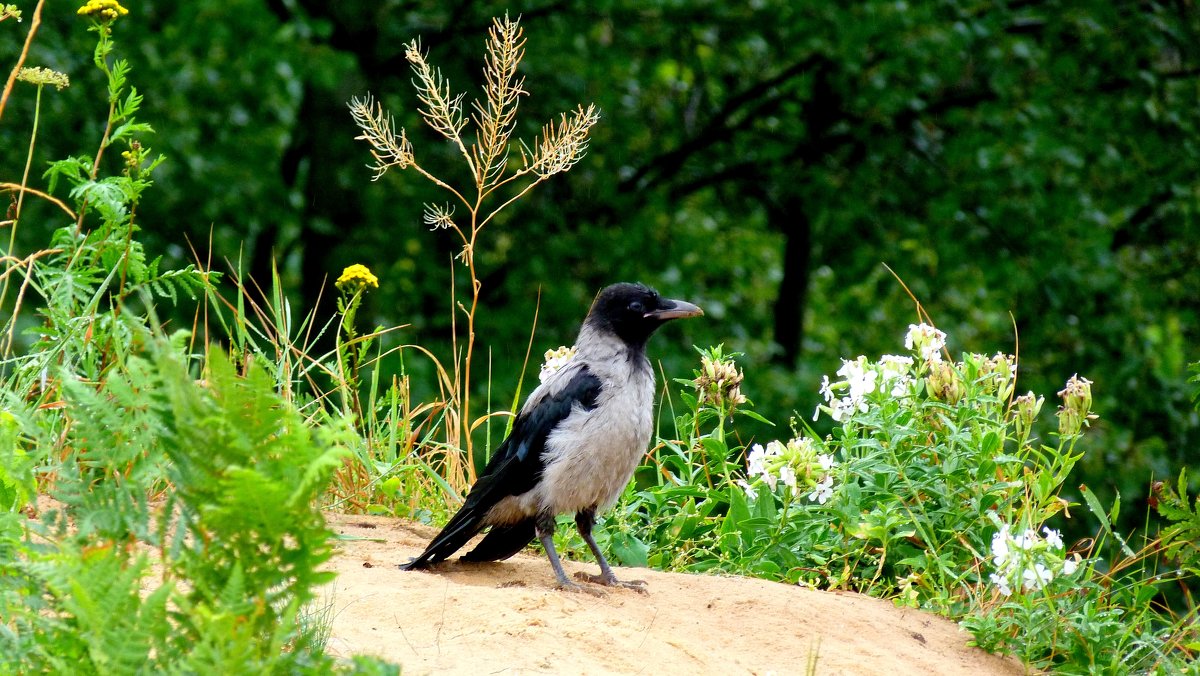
x: 789, y: 218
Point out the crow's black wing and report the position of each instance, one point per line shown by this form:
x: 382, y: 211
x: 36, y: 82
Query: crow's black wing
x: 516, y: 468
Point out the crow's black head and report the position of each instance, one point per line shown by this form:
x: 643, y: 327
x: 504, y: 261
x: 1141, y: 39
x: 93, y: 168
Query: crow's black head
x: 634, y: 311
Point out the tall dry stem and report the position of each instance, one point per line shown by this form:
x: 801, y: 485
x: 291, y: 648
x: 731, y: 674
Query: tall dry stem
x: 560, y: 146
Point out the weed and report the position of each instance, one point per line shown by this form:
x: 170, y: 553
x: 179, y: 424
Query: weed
x: 560, y: 146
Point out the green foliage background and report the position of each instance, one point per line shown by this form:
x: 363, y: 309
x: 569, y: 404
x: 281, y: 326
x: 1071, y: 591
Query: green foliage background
x: 1032, y: 159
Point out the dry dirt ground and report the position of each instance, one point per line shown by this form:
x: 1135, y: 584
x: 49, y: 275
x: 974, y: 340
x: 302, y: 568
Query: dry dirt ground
x: 506, y: 618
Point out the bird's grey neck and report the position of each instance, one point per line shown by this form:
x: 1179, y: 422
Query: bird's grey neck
x: 599, y: 344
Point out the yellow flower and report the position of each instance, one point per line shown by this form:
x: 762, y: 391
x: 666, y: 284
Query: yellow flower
x: 356, y: 277
x: 102, y: 10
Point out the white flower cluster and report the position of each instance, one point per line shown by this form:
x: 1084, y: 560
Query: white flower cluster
x: 926, y: 341
x: 796, y: 464
x: 554, y: 361
x: 861, y: 377
x: 1028, y: 561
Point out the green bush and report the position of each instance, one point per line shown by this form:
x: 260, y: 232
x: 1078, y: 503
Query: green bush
x: 933, y: 489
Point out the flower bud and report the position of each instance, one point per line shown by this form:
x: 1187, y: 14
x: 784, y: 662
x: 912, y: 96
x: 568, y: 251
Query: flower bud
x: 1078, y: 394
x: 1077, y: 405
x: 1069, y: 421
x: 554, y: 360
x: 1027, y: 409
x: 943, y: 383
x: 719, y: 383
x: 1003, y: 366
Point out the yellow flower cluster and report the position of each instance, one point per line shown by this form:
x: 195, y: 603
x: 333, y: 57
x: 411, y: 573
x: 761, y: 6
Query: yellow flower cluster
x: 357, y: 277
x: 103, y: 10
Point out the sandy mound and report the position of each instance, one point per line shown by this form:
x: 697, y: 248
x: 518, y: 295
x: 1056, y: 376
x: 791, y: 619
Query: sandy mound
x: 508, y: 618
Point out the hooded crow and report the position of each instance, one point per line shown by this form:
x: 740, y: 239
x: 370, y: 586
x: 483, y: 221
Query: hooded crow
x: 575, y: 443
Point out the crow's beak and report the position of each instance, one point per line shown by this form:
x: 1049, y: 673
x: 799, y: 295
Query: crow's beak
x: 674, y: 309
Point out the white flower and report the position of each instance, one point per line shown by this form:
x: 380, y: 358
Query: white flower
x: 840, y: 410
x: 1053, y: 537
x: 1036, y: 577
x: 826, y: 389
x: 756, y: 461
x: 771, y: 479
x: 554, y: 361
x: 801, y: 446
x: 750, y: 493
x: 1000, y: 552
x: 925, y: 340
x: 823, y: 491
x: 826, y: 461
x: 1001, y: 584
x: 894, y: 370
x: 788, y: 476
x: 860, y: 376
x: 1027, y: 539
x: 859, y: 405
x: 893, y: 366
x: 1070, y: 565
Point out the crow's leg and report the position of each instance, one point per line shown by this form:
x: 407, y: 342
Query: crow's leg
x: 584, y: 521
x: 544, y: 528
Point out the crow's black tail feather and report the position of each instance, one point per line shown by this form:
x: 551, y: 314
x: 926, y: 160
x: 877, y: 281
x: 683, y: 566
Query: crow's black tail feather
x: 461, y: 528
x: 502, y: 542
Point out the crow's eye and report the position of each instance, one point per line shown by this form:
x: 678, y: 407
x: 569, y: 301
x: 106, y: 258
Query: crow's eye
x: 636, y: 306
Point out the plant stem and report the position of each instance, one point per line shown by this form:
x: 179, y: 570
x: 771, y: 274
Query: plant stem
x: 101, y: 61
x: 12, y: 77
x: 12, y: 235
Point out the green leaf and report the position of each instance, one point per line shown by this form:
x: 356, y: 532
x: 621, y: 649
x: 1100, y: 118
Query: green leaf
x: 1093, y: 504
x: 715, y: 447
x: 629, y: 550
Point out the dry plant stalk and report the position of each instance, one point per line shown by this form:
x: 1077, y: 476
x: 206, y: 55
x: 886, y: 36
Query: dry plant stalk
x: 561, y: 144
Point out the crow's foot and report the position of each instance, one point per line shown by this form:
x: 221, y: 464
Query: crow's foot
x: 611, y: 580
x: 567, y: 585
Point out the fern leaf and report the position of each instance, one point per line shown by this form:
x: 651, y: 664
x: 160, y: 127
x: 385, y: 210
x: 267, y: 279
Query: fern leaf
x: 1180, y: 539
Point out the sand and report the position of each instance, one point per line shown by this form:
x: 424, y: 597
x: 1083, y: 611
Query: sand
x: 507, y: 618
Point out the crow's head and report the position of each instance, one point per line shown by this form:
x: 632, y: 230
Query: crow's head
x: 634, y: 311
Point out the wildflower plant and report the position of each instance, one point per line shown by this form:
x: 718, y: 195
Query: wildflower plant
x: 932, y: 488
x: 1029, y: 561
x: 497, y: 177
x: 95, y: 265
x: 352, y: 348
x: 798, y: 465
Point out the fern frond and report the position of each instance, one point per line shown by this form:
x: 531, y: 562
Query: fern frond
x: 377, y: 127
